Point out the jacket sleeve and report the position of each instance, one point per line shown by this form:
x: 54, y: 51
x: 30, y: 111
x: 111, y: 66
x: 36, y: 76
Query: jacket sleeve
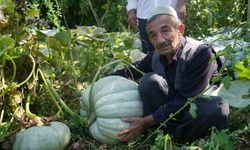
x: 132, y: 4
x: 196, y: 78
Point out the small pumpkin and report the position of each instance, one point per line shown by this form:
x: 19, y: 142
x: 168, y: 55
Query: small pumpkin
x: 56, y: 136
x: 113, y: 98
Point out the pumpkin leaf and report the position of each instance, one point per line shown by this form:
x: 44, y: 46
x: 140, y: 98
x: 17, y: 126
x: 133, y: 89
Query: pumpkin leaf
x: 6, y: 44
x: 41, y: 36
x: 54, y: 44
x: 64, y: 37
x: 227, y: 81
x: 237, y: 95
x: 136, y: 55
x: 193, y: 109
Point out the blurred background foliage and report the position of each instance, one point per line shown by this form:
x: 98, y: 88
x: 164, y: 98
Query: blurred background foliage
x: 203, y: 16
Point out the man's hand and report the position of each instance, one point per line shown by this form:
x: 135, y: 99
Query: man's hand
x: 137, y: 126
x: 132, y: 19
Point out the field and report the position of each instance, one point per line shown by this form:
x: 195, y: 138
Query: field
x: 45, y: 71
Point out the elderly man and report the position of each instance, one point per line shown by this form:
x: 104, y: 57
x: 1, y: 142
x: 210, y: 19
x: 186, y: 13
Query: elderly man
x: 177, y: 70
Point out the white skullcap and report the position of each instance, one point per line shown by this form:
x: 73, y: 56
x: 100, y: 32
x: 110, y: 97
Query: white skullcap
x: 161, y: 10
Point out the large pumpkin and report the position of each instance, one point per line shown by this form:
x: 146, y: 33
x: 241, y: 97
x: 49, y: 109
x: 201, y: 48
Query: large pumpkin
x: 113, y: 98
x: 56, y: 136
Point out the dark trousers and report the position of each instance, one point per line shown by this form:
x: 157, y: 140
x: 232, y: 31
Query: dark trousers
x: 146, y: 45
x: 210, y: 113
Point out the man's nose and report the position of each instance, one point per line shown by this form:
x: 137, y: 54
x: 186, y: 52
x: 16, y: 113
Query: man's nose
x: 160, y: 38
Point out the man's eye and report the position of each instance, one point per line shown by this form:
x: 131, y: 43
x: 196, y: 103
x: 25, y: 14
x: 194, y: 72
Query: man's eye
x: 152, y: 35
x: 166, y: 31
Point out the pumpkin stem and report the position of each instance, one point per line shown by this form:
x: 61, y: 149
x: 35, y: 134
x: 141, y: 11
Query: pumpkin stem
x: 56, y: 98
x: 91, y: 119
x: 31, y: 73
x: 49, y: 90
x: 27, y: 108
x: 90, y: 98
x: 31, y: 115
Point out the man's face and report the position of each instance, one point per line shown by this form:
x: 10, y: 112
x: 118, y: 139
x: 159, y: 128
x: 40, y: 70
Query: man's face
x: 164, y: 34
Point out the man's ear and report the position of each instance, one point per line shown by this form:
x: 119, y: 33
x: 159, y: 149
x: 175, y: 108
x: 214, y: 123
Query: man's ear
x: 181, y: 28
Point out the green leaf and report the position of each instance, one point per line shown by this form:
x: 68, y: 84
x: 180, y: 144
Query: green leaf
x: 227, y: 82
x: 193, y: 109
x: 243, y: 71
x: 33, y: 12
x: 6, y: 44
x: 54, y: 43
x: 219, y: 140
x: 10, y: 5
x: 64, y: 37
x: 224, y: 140
x: 41, y: 36
x: 6, y: 129
x: 235, y: 94
x: 246, y: 38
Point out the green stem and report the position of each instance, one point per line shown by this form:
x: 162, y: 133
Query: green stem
x: 1, y: 116
x: 31, y: 73
x: 65, y: 107
x: 72, y: 66
x: 56, y: 97
x: 2, y: 72
x: 14, y: 69
x: 27, y: 108
x: 50, y: 92
x: 91, y: 101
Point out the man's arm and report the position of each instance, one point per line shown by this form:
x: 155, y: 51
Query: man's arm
x: 181, y: 9
x: 131, y: 9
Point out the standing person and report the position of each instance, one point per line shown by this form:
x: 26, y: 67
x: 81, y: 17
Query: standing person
x: 139, y: 10
x: 178, y: 69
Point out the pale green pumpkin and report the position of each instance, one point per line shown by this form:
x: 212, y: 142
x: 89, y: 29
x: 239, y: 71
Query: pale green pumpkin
x: 114, y: 97
x: 56, y: 136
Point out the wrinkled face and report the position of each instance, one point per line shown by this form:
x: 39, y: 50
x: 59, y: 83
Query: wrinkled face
x: 165, y: 33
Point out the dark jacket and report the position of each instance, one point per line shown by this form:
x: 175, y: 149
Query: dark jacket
x: 188, y: 74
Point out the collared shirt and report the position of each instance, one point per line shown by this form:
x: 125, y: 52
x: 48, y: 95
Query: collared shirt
x: 197, y: 76
x: 143, y: 7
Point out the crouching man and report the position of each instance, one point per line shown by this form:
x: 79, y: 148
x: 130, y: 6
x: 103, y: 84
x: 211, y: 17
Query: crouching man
x: 178, y: 69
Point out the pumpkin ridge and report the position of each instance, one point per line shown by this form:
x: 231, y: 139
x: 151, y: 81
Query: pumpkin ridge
x: 117, y: 97
x: 128, y: 109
